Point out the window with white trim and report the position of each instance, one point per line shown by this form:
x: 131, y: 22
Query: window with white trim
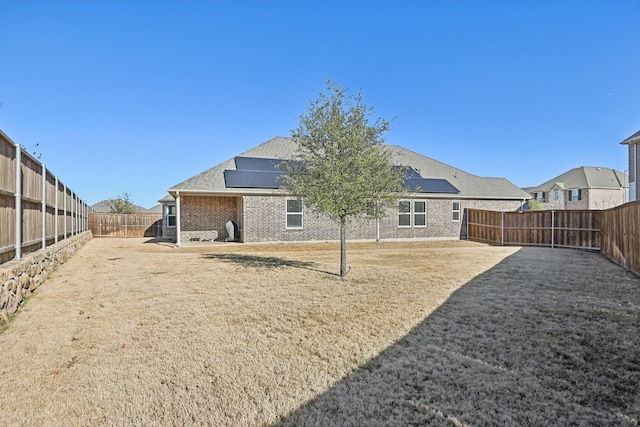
x: 404, y: 213
x: 171, y: 215
x: 455, y: 210
x: 575, y: 195
x: 419, y: 213
x: 412, y: 213
x: 294, y: 214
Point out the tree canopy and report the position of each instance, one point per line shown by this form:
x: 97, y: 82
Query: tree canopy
x: 122, y: 204
x: 342, y: 168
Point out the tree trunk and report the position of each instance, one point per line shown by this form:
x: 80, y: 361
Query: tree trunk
x: 343, y: 247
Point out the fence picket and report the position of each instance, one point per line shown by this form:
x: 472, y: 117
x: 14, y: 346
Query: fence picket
x: 614, y: 232
x: 29, y: 203
x: 125, y: 225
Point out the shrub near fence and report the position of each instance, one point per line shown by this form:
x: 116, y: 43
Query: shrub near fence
x: 614, y: 232
x: 125, y: 225
x: 36, y: 209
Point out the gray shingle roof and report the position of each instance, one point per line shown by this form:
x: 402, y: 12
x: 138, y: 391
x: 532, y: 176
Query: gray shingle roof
x: 470, y: 186
x: 584, y: 177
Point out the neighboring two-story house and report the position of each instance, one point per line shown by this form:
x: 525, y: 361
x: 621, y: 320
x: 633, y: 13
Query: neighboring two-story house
x: 246, y: 190
x: 586, y: 187
x: 634, y: 166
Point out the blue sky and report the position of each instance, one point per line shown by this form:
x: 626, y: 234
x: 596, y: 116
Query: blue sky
x: 136, y: 96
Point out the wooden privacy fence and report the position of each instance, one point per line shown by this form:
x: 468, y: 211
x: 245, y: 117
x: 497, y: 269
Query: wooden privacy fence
x: 621, y: 235
x: 615, y: 232
x: 567, y: 229
x: 36, y: 208
x: 125, y: 225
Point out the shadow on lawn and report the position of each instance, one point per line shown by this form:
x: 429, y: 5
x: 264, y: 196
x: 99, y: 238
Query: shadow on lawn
x: 265, y: 261
x: 547, y: 337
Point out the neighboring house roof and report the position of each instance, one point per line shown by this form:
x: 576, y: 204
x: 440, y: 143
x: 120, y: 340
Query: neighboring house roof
x: 583, y: 177
x: 212, y: 180
x: 105, y: 207
x: 155, y: 209
x: 167, y: 199
x: 633, y: 139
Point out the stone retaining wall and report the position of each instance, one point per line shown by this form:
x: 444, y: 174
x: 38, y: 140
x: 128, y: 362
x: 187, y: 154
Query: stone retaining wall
x: 20, y: 278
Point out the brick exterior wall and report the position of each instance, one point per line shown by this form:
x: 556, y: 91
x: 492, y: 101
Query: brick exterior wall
x: 206, y: 213
x: 590, y: 198
x: 601, y: 198
x: 264, y: 220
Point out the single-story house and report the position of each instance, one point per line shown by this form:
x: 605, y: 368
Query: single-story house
x: 585, y: 187
x: 246, y: 191
x: 634, y: 166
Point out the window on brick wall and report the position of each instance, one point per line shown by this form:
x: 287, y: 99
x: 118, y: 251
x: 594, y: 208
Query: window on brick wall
x: 294, y: 213
x: 419, y: 213
x: 404, y: 213
x: 412, y: 213
x: 455, y: 210
x: 575, y: 195
x: 171, y: 215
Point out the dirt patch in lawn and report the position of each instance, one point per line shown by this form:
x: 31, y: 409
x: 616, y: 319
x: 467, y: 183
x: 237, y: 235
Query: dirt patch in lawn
x: 135, y: 332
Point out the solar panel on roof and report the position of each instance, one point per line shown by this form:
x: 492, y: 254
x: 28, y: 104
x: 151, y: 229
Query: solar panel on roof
x: 255, y: 172
x: 258, y: 164
x: 430, y: 185
x: 252, y: 179
x: 408, y: 172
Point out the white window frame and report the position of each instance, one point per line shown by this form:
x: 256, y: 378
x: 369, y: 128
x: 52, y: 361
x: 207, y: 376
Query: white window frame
x: 416, y: 213
x: 293, y: 213
x: 576, y: 192
x: 455, y: 211
x: 402, y: 214
x: 170, y: 215
x: 411, y: 214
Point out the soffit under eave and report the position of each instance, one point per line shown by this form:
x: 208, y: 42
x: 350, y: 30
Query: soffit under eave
x: 633, y: 139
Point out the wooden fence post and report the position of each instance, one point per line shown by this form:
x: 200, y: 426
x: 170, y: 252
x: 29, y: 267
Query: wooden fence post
x: 44, y: 206
x: 55, y: 213
x: 64, y: 208
x: 553, y: 228
x: 502, y: 230
x: 18, y: 202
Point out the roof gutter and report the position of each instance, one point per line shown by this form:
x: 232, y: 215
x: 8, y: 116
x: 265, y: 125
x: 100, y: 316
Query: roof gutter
x: 633, y: 139
x: 174, y: 192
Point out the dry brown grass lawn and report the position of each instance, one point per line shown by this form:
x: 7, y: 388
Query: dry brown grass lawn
x: 131, y: 332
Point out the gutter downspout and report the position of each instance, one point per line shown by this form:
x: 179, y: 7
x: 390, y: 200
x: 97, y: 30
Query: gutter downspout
x: 177, y: 219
